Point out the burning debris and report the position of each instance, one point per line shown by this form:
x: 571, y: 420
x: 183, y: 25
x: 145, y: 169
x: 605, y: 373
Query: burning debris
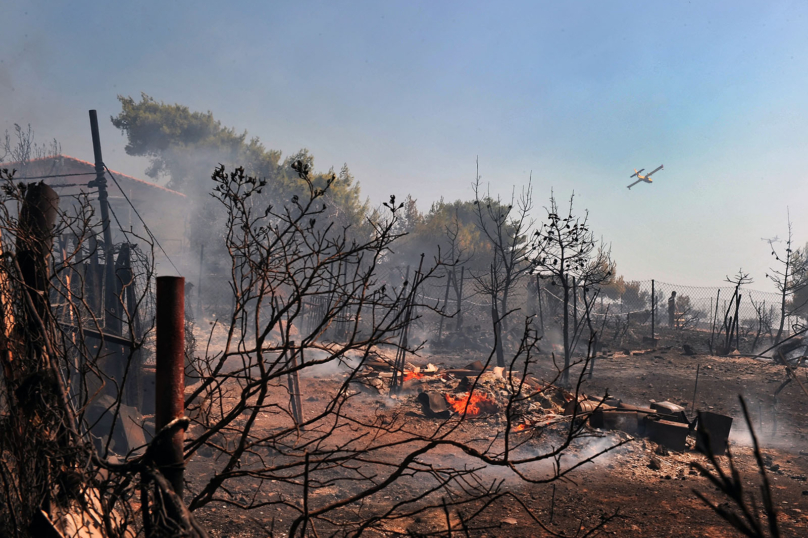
x: 473, y: 404
x: 472, y: 391
x: 477, y: 391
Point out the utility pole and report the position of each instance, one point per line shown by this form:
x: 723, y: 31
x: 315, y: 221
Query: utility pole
x: 112, y: 322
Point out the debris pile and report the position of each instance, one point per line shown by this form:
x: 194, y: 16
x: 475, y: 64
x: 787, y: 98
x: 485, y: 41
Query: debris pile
x: 664, y: 423
x: 472, y: 391
x: 476, y: 390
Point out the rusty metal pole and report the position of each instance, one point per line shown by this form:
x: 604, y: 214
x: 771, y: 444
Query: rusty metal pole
x: 170, y: 375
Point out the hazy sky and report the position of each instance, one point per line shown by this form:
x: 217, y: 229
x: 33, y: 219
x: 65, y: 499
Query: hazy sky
x: 409, y: 94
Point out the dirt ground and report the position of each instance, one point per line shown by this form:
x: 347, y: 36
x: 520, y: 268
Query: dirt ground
x: 661, y: 503
x: 649, y: 501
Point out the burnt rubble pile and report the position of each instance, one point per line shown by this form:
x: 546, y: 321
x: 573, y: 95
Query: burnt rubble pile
x: 472, y: 391
x: 475, y: 390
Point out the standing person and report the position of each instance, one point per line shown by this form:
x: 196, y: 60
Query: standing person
x: 672, y: 309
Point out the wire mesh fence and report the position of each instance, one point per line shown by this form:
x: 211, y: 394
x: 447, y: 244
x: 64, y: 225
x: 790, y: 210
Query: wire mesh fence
x: 647, y: 308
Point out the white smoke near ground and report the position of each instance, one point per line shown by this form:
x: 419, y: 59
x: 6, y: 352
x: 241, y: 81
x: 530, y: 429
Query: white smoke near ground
x: 329, y: 366
x: 552, y: 341
x: 599, y: 448
x: 772, y: 430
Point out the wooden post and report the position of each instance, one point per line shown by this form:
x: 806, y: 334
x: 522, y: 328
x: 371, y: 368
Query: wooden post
x: 293, y: 382
x: 34, y: 245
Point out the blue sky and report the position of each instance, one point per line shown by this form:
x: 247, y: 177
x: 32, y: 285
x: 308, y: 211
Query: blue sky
x: 410, y: 94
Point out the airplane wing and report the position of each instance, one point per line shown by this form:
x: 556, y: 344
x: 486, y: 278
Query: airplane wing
x: 657, y: 170
x: 638, y: 181
x: 636, y: 172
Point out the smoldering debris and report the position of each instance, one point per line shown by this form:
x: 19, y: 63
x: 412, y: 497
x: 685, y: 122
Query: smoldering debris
x: 479, y: 391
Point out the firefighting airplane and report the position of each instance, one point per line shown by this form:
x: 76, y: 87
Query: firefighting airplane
x: 646, y: 177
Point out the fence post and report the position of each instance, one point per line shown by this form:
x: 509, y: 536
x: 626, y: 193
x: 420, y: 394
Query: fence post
x: 653, y: 309
x: 738, y: 323
x: 445, y: 302
x: 170, y: 374
x: 538, y: 292
x: 199, y: 289
x: 293, y: 382
x: 574, y: 305
x: 459, y: 324
x: 715, y: 317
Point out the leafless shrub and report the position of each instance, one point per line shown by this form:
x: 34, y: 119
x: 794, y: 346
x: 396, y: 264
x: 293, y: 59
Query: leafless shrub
x: 284, y: 260
x: 58, y: 458
x: 567, y: 252
x: 64, y: 386
x: 22, y: 148
x: 505, y: 228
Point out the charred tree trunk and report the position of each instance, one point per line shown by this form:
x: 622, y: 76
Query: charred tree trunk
x: 497, y: 323
x: 37, y: 219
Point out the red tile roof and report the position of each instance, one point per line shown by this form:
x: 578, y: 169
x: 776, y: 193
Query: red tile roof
x: 92, y: 166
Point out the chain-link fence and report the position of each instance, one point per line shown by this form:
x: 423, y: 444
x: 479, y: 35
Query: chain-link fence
x: 726, y: 317
x: 734, y: 317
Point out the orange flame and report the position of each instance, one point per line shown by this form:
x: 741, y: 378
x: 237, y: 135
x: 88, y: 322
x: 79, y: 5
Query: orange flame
x: 412, y: 375
x: 520, y: 428
x: 475, y: 405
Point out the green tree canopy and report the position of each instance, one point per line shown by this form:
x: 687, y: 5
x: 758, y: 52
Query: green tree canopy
x: 449, y: 226
x: 184, y: 146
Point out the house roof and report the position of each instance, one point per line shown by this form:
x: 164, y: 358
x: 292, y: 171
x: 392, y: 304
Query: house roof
x: 65, y: 161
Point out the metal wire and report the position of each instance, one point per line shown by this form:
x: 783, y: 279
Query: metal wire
x: 146, y: 226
